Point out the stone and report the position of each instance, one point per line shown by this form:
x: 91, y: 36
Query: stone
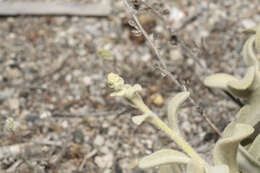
x: 99, y: 140
x: 87, y: 80
x: 13, y: 73
x: 157, y: 99
x: 105, y: 161
x: 6, y: 93
x: 45, y: 115
x: 176, y: 54
x: 14, y: 103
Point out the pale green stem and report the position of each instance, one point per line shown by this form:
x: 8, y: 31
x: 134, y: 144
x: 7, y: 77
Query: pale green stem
x: 138, y: 102
x: 178, y: 139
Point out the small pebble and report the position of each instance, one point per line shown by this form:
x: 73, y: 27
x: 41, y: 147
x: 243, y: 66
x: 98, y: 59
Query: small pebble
x: 14, y: 103
x: 45, y: 115
x: 99, y: 140
x: 105, y: 161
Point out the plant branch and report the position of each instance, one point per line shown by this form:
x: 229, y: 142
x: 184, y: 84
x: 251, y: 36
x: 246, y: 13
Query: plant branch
x: 164, y: 70
x: 130, y: 10
x: 178, y: 139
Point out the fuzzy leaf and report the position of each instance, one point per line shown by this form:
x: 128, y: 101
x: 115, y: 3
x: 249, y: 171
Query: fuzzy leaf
x: 170, y: 168
x: 246, y: 163
x: 254, y: 149
x: 173, y: 107
x: 106, y: 54
x: 219, y: 80
x: 194, y: 167
x: 139, y: 119
x: 240, y: 87
x: 163, y: 157
x: 249, y: 114
x: 226, y: 148
x: 250, y: 30
x: 245, y: 82
x: 217, y: 169
x: 118, y: 93
x: 249, y: 54
x: 127, y: 91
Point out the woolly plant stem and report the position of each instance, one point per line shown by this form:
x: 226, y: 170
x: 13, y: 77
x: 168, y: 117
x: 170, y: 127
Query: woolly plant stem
x: 138, y: 102
x: 185, y: 146
x: 178, y: 139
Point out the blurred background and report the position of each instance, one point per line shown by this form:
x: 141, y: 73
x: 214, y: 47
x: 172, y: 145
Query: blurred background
x: 56, y: 112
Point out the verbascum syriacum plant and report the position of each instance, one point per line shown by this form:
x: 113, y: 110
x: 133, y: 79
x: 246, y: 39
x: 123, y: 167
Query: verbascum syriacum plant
x: 169, y: 160
x: 229, y: 156
x: 248, y: 88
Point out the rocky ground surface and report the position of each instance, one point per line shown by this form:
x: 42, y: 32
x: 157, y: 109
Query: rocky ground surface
x: 53, y: 82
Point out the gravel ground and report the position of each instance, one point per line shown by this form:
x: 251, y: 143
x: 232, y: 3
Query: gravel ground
x: 53, y: 82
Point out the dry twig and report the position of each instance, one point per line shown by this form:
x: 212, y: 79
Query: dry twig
x: 88, y: 156
x: 145, y: 33
x: 164, y: 70
x: 14, y: 166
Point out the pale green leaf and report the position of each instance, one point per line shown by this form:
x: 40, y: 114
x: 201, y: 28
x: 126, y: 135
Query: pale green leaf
x: 173, y: 107
x: 249, y: 114
x: 249, y: 54
x: 254, y: 149
x: 162, y: 157
x: 217, y: 169
x: 106, y: 54
x: 226, y: 148
x: 250, y: 30
x: 219, y: 80
x: 139, y: 119
x: 194, y: 167
x: 245, y: 83
x: 170, y: 168
x: 246, y: 162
